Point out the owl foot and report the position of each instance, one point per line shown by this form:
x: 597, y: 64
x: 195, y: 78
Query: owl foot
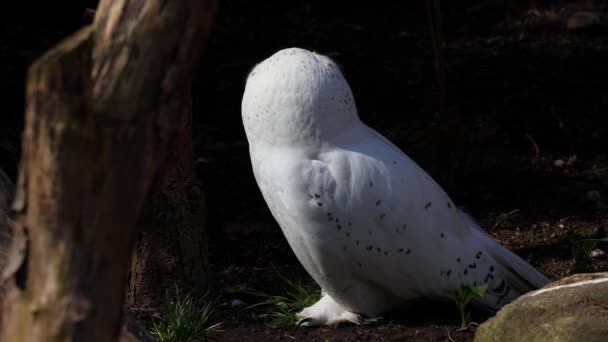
x: 326, y: 312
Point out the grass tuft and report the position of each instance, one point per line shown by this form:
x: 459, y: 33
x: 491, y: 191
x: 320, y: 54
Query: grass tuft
x: 185, y: 321
x: 279, y: 311
x: 581, y: 253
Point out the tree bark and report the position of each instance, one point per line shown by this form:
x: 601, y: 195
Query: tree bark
x: 7, y: 190
x: 8, y: 252
x: 102, y: 108
x: 172, y: 252
x: 131, y: 330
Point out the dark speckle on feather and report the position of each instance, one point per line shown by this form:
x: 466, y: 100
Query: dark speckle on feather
x: 500, y: 287
x: 503, y: 295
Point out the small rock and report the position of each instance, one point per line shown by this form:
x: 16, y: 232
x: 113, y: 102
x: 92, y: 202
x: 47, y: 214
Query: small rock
x: 583, y: 20
x: 597, y: 253
x: 235, y: 303
x: 592, y: 196
x: 559, y: 163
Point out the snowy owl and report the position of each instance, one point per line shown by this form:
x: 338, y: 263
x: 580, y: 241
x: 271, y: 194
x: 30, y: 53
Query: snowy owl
x: 372, y: 228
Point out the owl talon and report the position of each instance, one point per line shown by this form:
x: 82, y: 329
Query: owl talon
x: 326, y: 312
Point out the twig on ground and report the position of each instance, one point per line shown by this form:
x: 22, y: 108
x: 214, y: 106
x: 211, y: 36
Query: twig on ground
x: 534, y: 144
x: 450, y: 336
x: 471, y: 324
x: 502, y: 217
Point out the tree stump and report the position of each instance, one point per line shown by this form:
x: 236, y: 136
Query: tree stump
x: 102, y: 109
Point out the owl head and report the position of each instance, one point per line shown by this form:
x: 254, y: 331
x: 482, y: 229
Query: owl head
x: 297, y: 97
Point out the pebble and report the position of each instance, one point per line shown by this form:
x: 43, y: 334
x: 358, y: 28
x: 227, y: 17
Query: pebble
x: 597, y: 253
x: 582, y: 20
x: 236, y: 303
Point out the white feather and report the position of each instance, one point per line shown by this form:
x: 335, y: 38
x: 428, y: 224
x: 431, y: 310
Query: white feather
x: 372, y: 228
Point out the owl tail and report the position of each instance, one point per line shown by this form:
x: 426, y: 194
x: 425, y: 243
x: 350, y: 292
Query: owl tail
x: 512, y: 277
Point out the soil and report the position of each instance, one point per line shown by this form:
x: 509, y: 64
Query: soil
x: 520, y: 143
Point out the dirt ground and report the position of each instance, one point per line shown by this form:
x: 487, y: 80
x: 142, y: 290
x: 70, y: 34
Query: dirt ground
x: 525, y: 150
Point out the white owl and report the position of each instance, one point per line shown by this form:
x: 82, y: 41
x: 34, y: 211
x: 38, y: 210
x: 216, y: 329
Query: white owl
x: 372, y: 228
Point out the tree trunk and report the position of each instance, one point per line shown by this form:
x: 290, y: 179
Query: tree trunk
x: 131, y: 330
x: 172, y: 252
x: 7, y: 240
x: 102, y: 108
x: 7, y: 190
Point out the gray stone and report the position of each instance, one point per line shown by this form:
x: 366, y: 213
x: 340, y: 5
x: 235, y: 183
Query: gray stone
x: 572, y: 309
